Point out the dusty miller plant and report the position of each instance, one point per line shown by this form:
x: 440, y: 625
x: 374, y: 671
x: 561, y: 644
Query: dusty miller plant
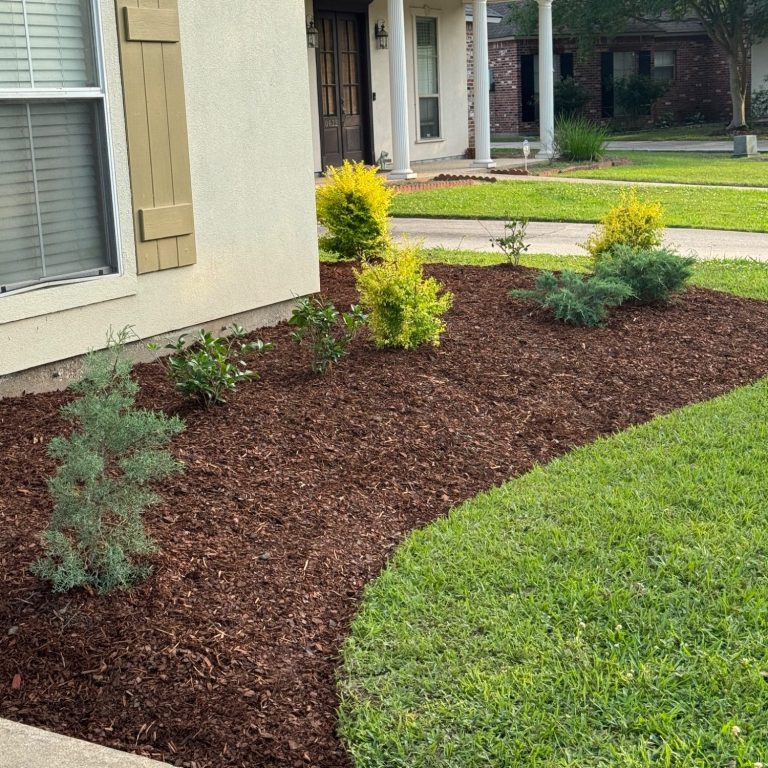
x: 103, y: 482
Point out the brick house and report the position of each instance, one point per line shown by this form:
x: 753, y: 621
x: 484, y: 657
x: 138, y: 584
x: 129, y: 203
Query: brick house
x: 679, y: 52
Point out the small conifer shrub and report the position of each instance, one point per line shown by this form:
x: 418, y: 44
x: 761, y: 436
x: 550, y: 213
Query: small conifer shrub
x: 405, y: 308
x: 653, y: 275
x: 576, y: 300
x: 354, y: 206
x: 632, y: 222
x: 103, y: 483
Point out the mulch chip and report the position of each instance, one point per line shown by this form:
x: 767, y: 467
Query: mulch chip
x: 295, y: 495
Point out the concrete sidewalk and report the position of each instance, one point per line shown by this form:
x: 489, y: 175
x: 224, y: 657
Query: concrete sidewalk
x: 25, y: 747
x: 563, y: 239
x: 648, y: 146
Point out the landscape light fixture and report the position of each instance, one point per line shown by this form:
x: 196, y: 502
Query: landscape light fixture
x: 313, y: 33
x: 382, y: 36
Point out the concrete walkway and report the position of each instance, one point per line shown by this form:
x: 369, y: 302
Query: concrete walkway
x: 25, y: 747
x: 648, y: 146
x: 563, y: 239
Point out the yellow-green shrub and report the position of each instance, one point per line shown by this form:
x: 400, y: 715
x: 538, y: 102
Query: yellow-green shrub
x: 405, y: 309
x: 354, y: 206
x: 633, y: 222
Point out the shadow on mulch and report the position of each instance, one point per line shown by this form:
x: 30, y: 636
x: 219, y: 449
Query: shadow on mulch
x: 295, y: 495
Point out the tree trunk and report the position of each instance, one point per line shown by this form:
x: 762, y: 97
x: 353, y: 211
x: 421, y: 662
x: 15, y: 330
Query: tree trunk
x: 738, y: 76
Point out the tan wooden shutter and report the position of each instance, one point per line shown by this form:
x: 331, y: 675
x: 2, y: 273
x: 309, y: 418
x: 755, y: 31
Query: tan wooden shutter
x: 156, y: 123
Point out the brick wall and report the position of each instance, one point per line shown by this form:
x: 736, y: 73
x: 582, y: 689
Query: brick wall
x: 701, y: 82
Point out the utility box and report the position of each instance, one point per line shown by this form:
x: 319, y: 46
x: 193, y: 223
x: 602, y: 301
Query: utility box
x: 745, y: 146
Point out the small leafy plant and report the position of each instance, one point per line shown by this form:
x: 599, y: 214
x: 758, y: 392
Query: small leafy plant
x: 354, y: 206
x: 632, y: 222
x: 579, y: 139
x: 209, y: 367
x: 326, y: 331
x: 405, y: 308
x: 652, y: 275
x: 576, y: 300
x: 512, y: 243
x: 102, y: 485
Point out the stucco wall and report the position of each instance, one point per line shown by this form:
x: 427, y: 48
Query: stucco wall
x: 250, y: 135
x: 453, y: 77
x: 759, y: 65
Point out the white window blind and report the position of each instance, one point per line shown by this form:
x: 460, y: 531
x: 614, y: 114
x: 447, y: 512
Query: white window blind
x: 55, y: 207
x: 664, y: 65
x: 428, y: 77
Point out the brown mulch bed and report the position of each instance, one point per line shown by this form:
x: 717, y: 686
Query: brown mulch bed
x: 295, y: 495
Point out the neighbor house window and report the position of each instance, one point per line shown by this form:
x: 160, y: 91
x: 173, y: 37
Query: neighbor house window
x: 664, y: 66
x: 55, y: 206
x: 428, y: 78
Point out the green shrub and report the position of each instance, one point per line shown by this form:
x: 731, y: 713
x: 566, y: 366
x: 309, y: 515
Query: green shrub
x: 101, y: 487
x: 209, y: 367
x: 327, y: 331
x: 354, y: 206
x: 576, y: 300
x: 579, y: 139
x: 405, y: 308
x: 570, y: 98
x: 512, y: 243
x: 653, y: 275
x: 631, y: 222
x: 759, y: 104
x: 636, y: 95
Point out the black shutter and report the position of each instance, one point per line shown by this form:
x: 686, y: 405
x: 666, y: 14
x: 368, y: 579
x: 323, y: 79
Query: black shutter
x: 527, y: 89
x: 606, y: 83
x: 566, y: 66
x: 644, y: 63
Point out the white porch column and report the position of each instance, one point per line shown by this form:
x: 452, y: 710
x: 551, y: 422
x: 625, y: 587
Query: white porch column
x: 398, y: 85
x: 482, y: 86
x: 546, y: 81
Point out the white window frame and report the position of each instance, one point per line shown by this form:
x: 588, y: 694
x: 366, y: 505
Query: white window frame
x: 106, y: 155
x: 427, y: 13
x: 673, y: 54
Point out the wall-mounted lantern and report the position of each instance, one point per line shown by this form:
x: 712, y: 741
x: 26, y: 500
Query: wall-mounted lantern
x: 382, y: 36
x: 313, y: 34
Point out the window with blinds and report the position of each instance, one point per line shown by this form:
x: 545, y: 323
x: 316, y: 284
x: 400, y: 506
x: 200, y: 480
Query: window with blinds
x: 55, y: 204
x: 428, y: 77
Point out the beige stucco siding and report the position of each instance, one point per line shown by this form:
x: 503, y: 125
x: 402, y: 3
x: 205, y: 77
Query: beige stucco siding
x: 452, y: 41
x: 250, y: 132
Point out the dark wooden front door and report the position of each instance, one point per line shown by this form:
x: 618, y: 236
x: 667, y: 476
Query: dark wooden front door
x: 344, y: 106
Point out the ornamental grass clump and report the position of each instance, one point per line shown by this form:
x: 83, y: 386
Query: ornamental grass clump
x: 632, y: 222
x: 652, y: 275
x: 405, y: 308
x: 579, y: 139
x: 103, y: 483
x: 576, y: 300
x: 354, y: 206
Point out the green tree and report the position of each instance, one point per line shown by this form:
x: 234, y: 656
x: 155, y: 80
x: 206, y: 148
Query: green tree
x: 733, y: 25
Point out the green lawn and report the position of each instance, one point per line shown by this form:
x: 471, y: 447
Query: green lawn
x: 684, y: 168
x: 707, y: 207
x: 608, y: 610
x: 742, y: 277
